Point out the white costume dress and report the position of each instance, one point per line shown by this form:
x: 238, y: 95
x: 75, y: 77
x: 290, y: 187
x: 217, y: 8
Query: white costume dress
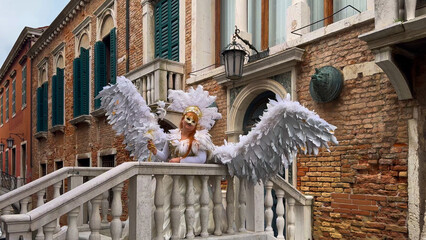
x: 200, y: 153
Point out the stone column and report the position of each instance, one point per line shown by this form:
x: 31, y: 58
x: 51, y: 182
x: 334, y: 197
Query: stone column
x: 148, y: 31
x: 385, y: 13
x: 141, y: 200
x: 298, y: 15
x: 255, y: 203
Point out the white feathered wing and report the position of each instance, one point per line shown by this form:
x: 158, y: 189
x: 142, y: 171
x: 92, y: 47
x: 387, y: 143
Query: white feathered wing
x: 285, y: 128
x: 129, y: 115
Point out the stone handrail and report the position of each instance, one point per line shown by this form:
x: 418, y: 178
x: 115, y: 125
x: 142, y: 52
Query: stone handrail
x: 45, y: 182
x: 242, y: 210
x: 155, y: 78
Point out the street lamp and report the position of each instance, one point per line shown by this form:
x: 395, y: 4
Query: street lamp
x: 234, y: 55
x: 9, y: 142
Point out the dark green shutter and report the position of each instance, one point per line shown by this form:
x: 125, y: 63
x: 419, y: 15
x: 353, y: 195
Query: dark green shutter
x: 76, y: 86
x: 24, y: 86
x: 167, y: 29
x: 39, y: 109
x: 45, y: 108
x: 84, y: 84
x: 113, y: 55
x: 100, y: 70
x: 60, y: 96
x: 54, y: 100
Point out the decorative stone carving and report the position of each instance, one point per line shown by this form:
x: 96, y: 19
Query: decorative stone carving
x: 326, y: 84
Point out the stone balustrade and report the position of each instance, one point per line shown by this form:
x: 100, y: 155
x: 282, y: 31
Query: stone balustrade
x: 293, y: 209
x: 155, y: 78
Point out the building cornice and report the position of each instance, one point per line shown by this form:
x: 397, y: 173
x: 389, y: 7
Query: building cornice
x: 65, y: 17
x: 26, y: 33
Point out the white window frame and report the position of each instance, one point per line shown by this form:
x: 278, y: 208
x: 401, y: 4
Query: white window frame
x: 24, y: 87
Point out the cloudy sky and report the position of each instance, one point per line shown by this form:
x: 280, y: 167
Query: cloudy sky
x: 16, y: 14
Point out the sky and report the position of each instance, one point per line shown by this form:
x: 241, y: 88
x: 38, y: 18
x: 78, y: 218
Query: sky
x: 17, y: 14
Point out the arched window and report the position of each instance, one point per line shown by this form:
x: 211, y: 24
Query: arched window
x: 81, y: 74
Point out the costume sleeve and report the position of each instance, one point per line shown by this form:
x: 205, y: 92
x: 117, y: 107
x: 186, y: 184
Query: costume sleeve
x: 163, y: 155
x: 199, y: 158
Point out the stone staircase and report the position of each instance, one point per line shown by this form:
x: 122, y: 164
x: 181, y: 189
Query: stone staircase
x: 246, y: 207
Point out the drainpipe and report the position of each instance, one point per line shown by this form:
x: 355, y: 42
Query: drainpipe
x: 127, y: 34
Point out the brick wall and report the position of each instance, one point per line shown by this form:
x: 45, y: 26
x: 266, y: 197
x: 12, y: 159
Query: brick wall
x: 360, y: 187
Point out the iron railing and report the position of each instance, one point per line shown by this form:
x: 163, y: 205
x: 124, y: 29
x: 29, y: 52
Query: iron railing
x: 8, y: 182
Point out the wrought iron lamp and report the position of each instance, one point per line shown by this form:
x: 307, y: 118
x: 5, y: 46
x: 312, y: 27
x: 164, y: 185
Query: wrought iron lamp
x: 234, y: 55
x: 10, y: 141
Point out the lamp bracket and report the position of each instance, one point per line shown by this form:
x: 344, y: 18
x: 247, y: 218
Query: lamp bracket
x: 245, y: 41
x: 20, y: 135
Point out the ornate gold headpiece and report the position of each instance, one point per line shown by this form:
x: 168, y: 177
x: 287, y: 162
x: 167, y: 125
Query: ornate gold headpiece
x: 193, y: 109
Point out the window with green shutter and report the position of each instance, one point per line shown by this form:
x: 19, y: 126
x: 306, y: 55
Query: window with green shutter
x: 54, y: 100
x: 167, y: 29
x: 14, y: 97
x: 39, y: 109
x: 60, y: 96
x: 100, y: 70
x: 76, y: 87
x: 113, y: 55
x: 44, y: 105
x: 7, y: 104
x: 84, y: 81
x: 24, y: 86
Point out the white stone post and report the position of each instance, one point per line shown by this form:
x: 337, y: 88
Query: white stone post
x: 148, y: 31
x: 57, y: 193
x: 73, y: 182
x: 40, y: 202
x: 175, y: 212
x: 230, y: 205
x: 72, y: 231
x: 204, y: 203
x: 242, y: 208
x: 268, y: 207
x: 410, y: 9
x: 291, y: 218
x: 280, y: 214
x: 385, y: 13
x: 159, y: 203
x: 5, y: 211
x: 140, y: 200
x: 255, y: 202
x: 116, y: 211
x: 217, y: 209
x: 95, y: 219
x: 190, y: 212
x: 298, y: 15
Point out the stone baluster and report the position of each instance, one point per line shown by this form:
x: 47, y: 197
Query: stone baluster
x: 152, y: 92
x: 291, y: 219
x: 24, y: 205
x: 49, y: 229
x: 159, y: 203
x: 175, y: 212
x: 190, y: 212
x: 40, y: 202
x: 148, y: 89
x: 242, y: 201
x: 144, y: 89
x: 57, y: 193
x: 268, y: 207
x: 72, y: 231
x: 204, y: 206
x: 230, y: 207
x: 5, y: 211
x: 170, y: 84
x: 217, y: 209
x: 105, y: 206
x: 178, y: 81
x: 280, y: 214
x: 95, y: 218
x: 116, y: 211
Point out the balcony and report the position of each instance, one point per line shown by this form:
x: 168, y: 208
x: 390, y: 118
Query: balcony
x: 154, y: 79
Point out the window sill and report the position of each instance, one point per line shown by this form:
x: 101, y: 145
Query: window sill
x: 98, y: 113
x: 83, y: 119
x: 41, y: 135
x: 57, y: 129
x: 23, y: 107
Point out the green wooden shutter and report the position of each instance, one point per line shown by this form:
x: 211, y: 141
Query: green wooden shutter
x: 113, y: 55
x: 173, y: 44
x: 100, y: 70
x: 76, y: 87
x: 24, y: 86
x: 84, y: 84
x: 39, y: 109
x: 54, y: 100
x: 14, y: 97
x: 45, y: 108
x: 60, y: 96
x: 167, y: 29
